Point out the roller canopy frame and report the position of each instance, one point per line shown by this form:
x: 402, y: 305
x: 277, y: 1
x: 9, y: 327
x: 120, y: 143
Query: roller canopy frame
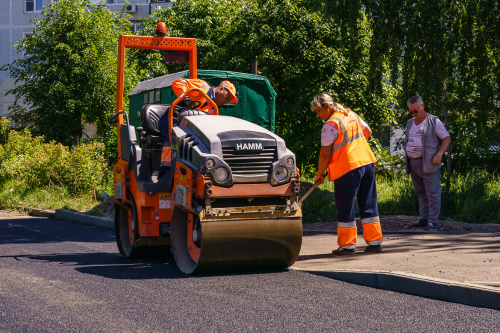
x: 149, y: 43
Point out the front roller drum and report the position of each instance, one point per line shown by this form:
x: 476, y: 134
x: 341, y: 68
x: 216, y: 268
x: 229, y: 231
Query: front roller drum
x: 234, y: 245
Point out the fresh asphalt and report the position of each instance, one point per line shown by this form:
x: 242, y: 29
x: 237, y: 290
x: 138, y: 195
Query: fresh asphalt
x: 63, y: 276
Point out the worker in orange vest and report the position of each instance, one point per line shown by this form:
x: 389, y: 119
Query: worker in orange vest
x: 346, y: 155
x: 221, y: 95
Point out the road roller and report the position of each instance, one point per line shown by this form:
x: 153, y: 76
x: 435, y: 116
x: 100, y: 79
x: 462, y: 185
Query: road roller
x: 228, y: 201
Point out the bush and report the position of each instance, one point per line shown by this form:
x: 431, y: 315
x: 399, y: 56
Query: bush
x: 26, y: 163
x: 387, y: 165
x: 473, y: 197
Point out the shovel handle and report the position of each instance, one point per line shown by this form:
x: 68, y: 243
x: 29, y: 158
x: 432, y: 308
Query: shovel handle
x: 310, y: 190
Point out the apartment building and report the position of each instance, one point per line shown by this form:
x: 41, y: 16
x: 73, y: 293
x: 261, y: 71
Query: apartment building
x: 15, y: 17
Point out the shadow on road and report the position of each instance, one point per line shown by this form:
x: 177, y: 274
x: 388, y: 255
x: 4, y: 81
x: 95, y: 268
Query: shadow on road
x: 46, y: 230
x: 113, y: 266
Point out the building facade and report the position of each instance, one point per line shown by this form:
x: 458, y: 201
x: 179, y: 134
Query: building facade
x: 15, y: 17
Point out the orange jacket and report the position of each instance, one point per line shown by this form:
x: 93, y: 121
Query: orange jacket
x: 180, y: 86
x: 350, y: 150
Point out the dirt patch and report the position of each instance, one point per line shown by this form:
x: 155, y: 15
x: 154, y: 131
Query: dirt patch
x: 400, y: 223
x: 105, y: 209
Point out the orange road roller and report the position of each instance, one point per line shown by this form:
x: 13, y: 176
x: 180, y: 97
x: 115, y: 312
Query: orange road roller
x: 229, y: 201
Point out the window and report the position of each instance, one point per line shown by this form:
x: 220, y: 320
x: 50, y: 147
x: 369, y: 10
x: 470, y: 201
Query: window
x: 123, y: 1
x: 145, y: 98
x: 158, y: 96
x: 152, y: 97
x: 135, y: 27
x: 34, y: 5
x: 27, y: 35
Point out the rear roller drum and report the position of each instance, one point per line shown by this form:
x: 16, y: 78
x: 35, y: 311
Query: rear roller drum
x: 126, y: 232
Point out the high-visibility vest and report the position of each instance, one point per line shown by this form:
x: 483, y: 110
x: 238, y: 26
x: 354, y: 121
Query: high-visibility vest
x: 180, y: 86
x: 350, y: 150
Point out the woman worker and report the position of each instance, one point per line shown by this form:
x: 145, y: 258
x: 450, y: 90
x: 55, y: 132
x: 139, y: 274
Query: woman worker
x: 346, y: 155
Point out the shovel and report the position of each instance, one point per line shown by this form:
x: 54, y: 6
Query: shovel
x: 310, y: 191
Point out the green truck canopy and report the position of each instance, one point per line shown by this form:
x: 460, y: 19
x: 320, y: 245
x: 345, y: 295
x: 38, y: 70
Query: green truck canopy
x: 255, y: 94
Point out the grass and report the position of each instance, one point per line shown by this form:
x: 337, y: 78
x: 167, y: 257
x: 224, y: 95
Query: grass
x: 46, y: 198
x: 473, y: 197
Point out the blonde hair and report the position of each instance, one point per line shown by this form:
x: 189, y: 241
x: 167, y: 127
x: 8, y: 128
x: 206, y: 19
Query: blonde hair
x: 322, y: 99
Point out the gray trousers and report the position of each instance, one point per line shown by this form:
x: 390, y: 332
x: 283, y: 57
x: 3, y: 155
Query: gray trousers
x: 428, y: 188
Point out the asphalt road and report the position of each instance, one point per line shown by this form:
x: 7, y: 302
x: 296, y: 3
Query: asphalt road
x: 58, y: 276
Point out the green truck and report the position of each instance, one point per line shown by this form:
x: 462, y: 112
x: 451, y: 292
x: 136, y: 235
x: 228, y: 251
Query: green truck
x: 256, y: 96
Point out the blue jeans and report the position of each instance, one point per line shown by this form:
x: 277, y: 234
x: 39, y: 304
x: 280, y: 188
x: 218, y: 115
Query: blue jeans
x: 358, y: 183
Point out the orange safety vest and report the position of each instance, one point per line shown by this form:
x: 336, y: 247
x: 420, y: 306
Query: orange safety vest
x: 350, y: 150
x: 180, y: 86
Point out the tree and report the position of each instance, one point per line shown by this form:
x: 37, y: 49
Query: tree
x: 299, y: 47
x: 68, y: 74
x: 447, y: 52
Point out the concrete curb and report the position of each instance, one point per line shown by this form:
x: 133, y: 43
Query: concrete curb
x: 97, y: 221
x: 444, y: 290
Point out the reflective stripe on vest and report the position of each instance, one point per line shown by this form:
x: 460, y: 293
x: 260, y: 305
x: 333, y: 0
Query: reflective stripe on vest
x: 202, y: 85
x: 189, y: 84
x: 347, y: 139
x: 348, y: 152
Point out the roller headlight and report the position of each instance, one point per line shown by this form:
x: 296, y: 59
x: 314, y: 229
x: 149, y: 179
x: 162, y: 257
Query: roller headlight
x: 289, y: 162
x: 280, y: 173
x: 221, y: 175
x: 209, y: 163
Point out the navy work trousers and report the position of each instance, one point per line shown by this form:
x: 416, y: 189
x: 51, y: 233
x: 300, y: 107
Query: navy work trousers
x: 358, y: 183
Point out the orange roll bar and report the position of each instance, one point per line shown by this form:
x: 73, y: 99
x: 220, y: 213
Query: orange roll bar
x: 151, y: 43
x: 194, y: 94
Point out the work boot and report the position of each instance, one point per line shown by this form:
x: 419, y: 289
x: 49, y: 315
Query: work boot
x: 373, y: 248
x: 342, y: 251
x: 420, y: 224
x: 432, y: 227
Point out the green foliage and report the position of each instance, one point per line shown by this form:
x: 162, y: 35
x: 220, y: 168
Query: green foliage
x: 473, y: 197
x: 4, y: 127
x: 369, y: 55
x: 447, y: 52
x: 68, y: 76
x: 299, y: 47
x: 47, y: 197
x: 387, y: 165
x: 319, y: 207
x: 26, y: 163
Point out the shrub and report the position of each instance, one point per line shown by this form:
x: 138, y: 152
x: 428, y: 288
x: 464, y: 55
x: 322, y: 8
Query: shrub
x: 27, y: 163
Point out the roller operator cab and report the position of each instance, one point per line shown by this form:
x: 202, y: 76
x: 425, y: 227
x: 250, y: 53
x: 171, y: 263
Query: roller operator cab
x: 228, y: 202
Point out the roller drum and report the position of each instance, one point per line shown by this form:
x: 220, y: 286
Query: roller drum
x: 238, y: 245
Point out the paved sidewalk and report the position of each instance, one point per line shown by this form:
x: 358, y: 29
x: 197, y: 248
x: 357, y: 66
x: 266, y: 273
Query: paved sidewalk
x: 456, y: 267
x: 468, y: 257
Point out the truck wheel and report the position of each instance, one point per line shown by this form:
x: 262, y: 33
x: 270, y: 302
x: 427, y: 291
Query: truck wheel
x: 126, y: 231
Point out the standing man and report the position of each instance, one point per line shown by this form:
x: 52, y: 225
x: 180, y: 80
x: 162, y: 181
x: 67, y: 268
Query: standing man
x: 423, y: 155
x: 349, y: 160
